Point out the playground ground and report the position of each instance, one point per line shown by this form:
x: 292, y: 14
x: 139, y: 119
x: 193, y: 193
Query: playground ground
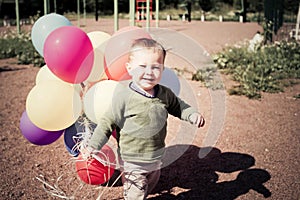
x: 256, y: 155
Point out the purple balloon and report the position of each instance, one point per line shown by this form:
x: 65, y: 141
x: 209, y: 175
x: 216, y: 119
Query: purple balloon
x: 35, y: 135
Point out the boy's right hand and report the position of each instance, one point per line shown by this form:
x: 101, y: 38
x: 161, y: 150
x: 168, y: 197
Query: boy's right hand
x: 197, y: 119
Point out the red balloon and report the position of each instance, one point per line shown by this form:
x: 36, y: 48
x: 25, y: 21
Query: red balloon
x: 92, y: 171
x: 114, y: 133
x: 69, y: 54
x: 117, y: 51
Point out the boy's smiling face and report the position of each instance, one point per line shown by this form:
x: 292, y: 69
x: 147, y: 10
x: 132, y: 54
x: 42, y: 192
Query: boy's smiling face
x: 146, y: 66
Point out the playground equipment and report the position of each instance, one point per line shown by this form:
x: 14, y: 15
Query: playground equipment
x: 18, y: 17
x: 297, y: 24
x: 139, y: 8
x: 141, y: 5
x: 142, y: 9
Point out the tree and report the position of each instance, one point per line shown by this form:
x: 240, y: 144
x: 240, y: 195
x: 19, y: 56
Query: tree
x: 206, y: 5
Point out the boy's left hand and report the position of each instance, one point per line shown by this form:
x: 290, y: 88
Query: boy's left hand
x: 197, y: 119
x: 87, y: 153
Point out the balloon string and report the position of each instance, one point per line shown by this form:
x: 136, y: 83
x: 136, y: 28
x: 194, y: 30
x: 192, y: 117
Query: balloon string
x: 58, y: 192
x: 81, y: 139
x: 88, y: 172
x: 106, y: 188
x: 81, y: 142
x: 105, y: 161
x: 53, y: 190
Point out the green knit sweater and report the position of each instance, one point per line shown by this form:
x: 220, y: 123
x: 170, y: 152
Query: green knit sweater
x: 141, y: 123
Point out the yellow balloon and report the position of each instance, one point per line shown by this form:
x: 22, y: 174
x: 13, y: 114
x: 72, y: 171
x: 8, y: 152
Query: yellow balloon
x: 99, y: 40
x: 98, y: 99
x: 45, y: 74
x: 52, y: 105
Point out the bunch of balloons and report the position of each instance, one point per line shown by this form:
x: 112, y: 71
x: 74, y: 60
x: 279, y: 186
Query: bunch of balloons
x: 80, y: 78
x: 54, y: 105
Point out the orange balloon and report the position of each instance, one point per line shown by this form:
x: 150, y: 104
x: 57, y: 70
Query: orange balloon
x: 117, y: 51
x: 117, y: 69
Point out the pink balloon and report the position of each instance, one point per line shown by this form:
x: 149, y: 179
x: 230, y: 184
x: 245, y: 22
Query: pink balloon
x: 68, y: 53
x: 117, y: 51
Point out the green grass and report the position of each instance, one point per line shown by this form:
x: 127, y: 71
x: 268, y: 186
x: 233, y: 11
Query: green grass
x: 270, y: 68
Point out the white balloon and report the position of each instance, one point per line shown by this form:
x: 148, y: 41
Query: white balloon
x: 44, y: 26
x: 98, y: 99
x: 170, y: 80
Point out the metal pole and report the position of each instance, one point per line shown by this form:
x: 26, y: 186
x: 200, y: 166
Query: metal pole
x: 48, y: 6
x: 131, y: 12
x: 297, y: 24
x: 97, y: 8
x: 78, y: 12
x: 18, y: 17
x: 55, y: 8
x: 148, y: 14
x: 45, y: 7
x: 157, y: 13
x: 84, y: 12
x: 242, y: 5
x: 116, y: 16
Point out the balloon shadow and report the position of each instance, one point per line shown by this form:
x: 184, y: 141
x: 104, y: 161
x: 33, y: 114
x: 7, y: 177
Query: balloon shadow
x: 199, y: 179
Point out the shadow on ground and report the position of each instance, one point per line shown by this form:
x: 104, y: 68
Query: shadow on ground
x: 199, y: 179
x: 8, y: 68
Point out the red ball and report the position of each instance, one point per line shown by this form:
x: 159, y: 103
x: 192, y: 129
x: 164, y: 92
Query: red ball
x: 92, y: 171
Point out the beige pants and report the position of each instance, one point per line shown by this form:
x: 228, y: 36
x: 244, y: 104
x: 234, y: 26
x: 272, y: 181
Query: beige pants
x: 139, y: 179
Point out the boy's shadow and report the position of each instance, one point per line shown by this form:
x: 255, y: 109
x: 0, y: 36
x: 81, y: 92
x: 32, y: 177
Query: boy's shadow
x: 198, y: 177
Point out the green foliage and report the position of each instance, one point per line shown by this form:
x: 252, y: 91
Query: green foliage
x: 207, y: 75
x: 206, y: 5
x: 265, y: 70
x: 268, y: 30
x: 20, y: 46
x: 297, y: 96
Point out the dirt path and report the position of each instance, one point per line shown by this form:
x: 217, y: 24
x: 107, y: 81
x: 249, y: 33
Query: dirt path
x: 255, y: 156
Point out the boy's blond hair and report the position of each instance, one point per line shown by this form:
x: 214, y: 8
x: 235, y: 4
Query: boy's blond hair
x: 142, y: 43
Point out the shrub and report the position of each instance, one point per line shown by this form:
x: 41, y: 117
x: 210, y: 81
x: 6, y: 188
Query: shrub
x: 208, y: 76
x: 20, y: 46
x: 268, y: 69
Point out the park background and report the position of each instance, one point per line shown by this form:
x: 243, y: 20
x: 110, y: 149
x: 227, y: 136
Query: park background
x: 257, y: 153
